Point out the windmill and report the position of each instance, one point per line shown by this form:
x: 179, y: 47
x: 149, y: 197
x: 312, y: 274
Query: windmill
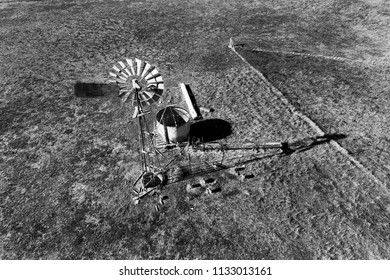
x: 141, y: 84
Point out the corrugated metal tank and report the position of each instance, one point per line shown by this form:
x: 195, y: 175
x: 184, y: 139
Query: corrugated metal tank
x: 173, y: 124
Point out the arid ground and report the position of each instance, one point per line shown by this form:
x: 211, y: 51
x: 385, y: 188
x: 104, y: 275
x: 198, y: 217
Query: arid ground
x: 67, y: 163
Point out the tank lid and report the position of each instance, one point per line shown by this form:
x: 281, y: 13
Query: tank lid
x: 172, y: 116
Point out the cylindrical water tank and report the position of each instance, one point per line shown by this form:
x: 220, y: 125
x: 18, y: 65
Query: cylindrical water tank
x: 173, y: 124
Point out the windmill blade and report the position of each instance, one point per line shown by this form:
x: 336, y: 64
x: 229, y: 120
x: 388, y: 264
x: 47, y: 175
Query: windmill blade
x: 146, y: 70
x: 155, y: 80
x: 126, y: 96
x: 117, y: 78
x: 122, y: 91
x: 131, y: 65
x: 112, y: 74
x: 156, y: 85
x: 148, y: 94
x: 158, y: 94
x: 119, y: 66
x: 120, y: 72
x: 128, y: 72
x: 116, y: 69
x: 152, y: 74
x: 123, y: 86
x: 123, y: 74
x: 139, y: 66
x: 123, y: 78
x: 159, y: 79
x: 117, y: 81
x: 122, y: 65
x: 143, y: 96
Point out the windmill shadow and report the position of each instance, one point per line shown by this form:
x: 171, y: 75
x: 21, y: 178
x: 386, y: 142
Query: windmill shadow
x: 93, y: 90
x: 211, y: 129
x: 201, y: 168
x: 310, y: 142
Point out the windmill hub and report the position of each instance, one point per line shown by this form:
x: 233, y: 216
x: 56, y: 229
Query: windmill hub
x: 136, y: 84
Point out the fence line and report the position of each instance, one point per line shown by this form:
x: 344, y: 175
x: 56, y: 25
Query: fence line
x: 310, y: 122
x: 302, y: 54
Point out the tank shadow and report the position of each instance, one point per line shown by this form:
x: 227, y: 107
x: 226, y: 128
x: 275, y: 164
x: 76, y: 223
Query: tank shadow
x: 210, y: 130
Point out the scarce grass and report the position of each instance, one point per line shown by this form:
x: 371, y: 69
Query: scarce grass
x: 348, y: 96
x: 67, y: 164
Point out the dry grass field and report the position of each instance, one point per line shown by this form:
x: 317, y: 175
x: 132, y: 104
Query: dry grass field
x: 67, y: 163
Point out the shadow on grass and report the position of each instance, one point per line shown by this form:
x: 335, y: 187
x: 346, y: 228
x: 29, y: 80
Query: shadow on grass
x: 298, y: 146
x: 203, y: 168
x: 211, y: 129
x: 308, y: 81
x: 310, y: 142
x: 92, y: 90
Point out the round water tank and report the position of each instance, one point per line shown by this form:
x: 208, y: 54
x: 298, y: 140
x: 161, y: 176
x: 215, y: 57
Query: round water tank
x: 173, y: 124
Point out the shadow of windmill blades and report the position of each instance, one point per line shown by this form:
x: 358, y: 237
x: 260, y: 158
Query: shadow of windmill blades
x: 310, y: 142
x: 211, y: 129
x: 93, y: 90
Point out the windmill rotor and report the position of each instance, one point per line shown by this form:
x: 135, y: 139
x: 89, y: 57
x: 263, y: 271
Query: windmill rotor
x: 137, y: 79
